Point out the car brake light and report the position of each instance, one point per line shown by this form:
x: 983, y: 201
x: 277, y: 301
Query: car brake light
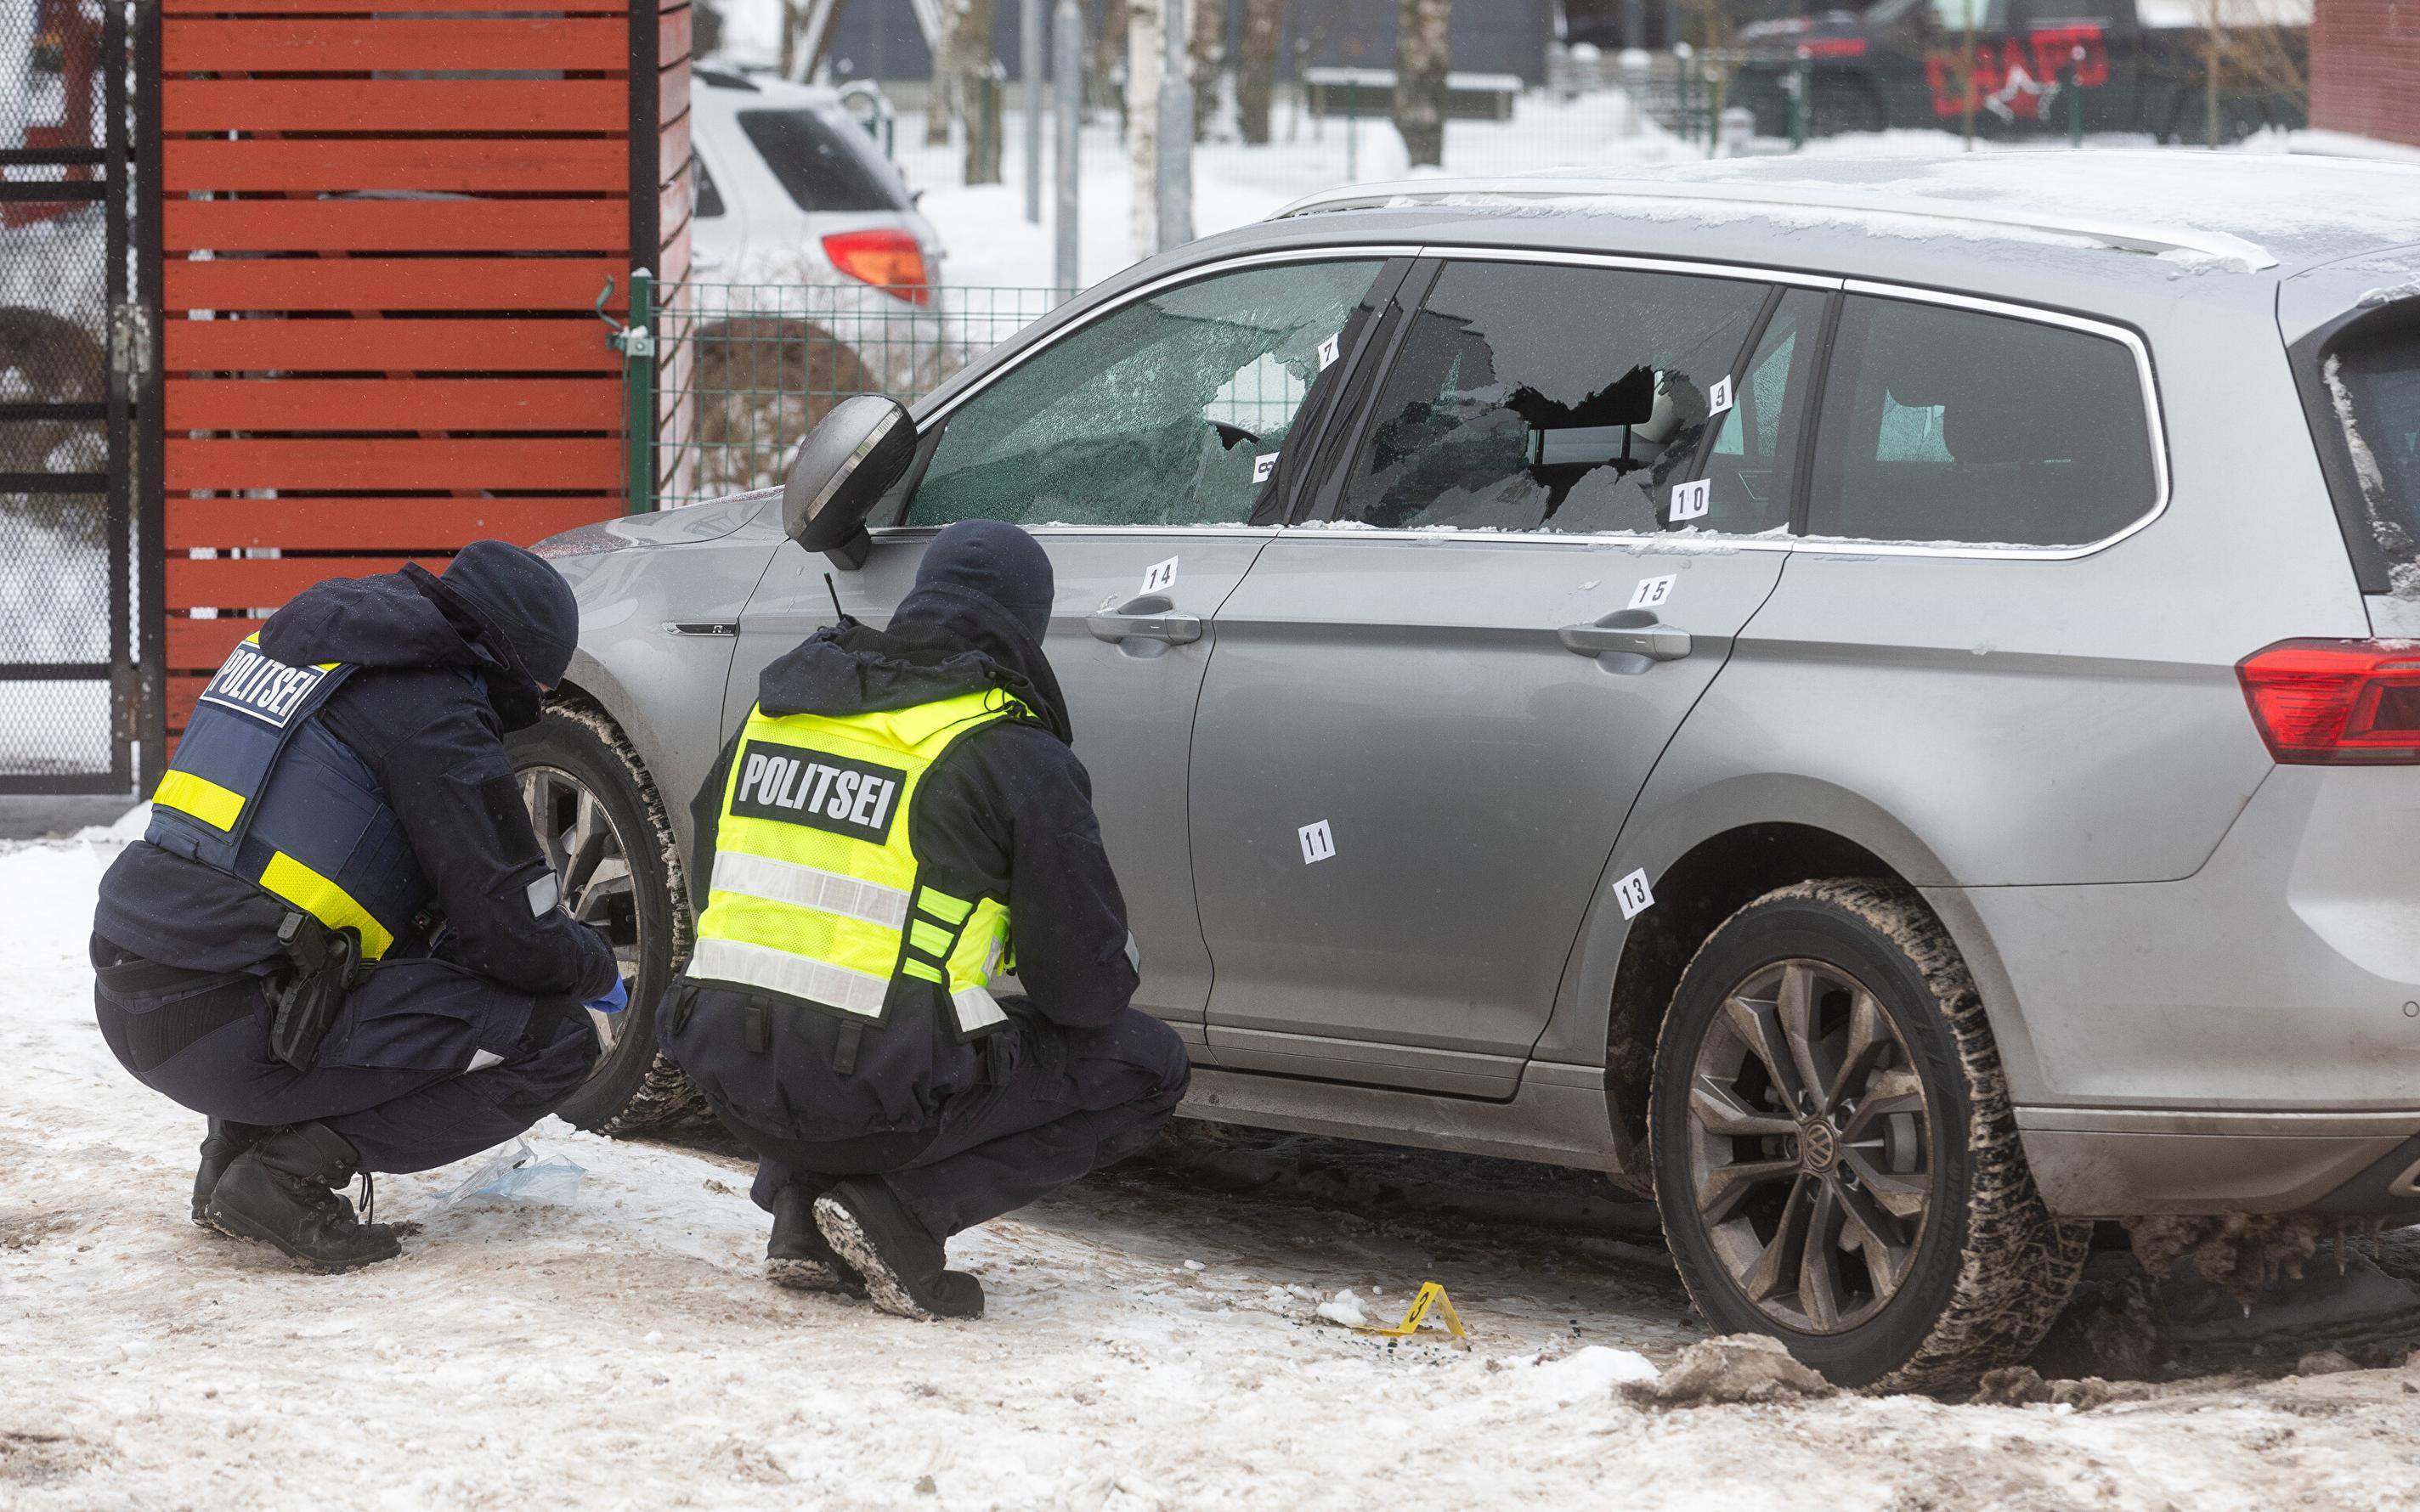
x: 2336, y: 702
x: 890, y: 260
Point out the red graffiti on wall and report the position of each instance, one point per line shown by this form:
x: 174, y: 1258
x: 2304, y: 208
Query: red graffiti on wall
x: 2016, y: 77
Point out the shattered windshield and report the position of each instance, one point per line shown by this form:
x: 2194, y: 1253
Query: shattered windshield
x: 2375, y: 385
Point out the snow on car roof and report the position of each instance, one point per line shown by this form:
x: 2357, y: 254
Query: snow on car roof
x: 2243, y: 211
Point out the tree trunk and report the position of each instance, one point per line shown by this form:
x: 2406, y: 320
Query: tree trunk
x: 1144, y: 51
x: 1256, y: 76
x: 1209, y: 59
x: 977, y: 93
x: 941, y: 104
x: 1108, y: 49
x: 1422, y: 53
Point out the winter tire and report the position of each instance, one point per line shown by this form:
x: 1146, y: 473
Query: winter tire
x: 602, y: 826
x: 1835, y: 1156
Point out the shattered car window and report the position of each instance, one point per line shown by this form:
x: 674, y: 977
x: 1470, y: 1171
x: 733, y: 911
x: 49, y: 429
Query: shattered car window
x: 2376, y: 389
x: 1951, y: 425
x: 1747, y: 478
x: 1163, y: 413
x: 1530, y: 398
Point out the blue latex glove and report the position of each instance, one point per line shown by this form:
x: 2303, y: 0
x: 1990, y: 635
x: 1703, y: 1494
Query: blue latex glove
x: 612, y: 1002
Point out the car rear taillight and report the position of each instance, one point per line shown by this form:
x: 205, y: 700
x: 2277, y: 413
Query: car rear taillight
x: 890, y: 260
x: 2336, y: 702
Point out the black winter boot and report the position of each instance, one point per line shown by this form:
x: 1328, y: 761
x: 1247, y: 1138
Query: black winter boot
x: 869, y: 1227
x: 797, y: 1256
x: 280, y: 1193
x: 224, y: 1142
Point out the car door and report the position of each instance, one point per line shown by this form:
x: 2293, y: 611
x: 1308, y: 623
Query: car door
x: 1431, y: 710
x: 1136, y: 445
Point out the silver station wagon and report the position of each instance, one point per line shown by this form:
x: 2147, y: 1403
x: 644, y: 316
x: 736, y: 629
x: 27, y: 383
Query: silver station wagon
x: 1863, y: 698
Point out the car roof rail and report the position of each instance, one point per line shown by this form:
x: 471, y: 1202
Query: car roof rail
x: 2125, y: 236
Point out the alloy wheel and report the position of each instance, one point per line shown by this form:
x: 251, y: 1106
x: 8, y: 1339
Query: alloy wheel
x: 1810, y: 1145
x: 592, y: 864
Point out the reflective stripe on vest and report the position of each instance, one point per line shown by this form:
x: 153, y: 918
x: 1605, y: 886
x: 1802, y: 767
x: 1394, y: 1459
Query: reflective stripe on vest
x: 261, y: 791
x: 815, y: 892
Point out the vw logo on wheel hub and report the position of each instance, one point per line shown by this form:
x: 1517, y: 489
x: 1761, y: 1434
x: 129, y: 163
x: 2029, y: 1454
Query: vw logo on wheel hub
x: 1818, y: 1146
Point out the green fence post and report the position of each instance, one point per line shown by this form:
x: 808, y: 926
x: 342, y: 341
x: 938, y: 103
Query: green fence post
x: 2075, y: 100
x: 1352, y: 125
x: 1802, y: 84
x: 637, y: 343
x: 987, y: 153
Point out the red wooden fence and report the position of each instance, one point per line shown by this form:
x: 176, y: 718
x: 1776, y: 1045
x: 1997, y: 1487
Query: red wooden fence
x: 377, y: 283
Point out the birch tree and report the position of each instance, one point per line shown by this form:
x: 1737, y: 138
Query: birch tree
x: 941, y: 104
x: 971, y: 28
x: 1144, y: 50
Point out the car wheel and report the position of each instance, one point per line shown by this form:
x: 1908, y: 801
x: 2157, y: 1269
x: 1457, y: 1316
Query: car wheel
x: 602, y: 826
x: 1835, y: 1156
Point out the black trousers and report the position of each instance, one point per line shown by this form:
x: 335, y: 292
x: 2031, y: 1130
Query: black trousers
x: 1075, y: 1099
x: 394, y: 1074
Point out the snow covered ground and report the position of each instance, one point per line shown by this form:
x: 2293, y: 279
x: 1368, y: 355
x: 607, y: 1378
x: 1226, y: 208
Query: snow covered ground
x: 1153, y: 1342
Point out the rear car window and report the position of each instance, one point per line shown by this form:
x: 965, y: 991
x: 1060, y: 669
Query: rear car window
x: 1494, y: 414
x: 819, y: 167
x: 1944, y: 425
x: 2375, y: 387
x: 1747, y: 473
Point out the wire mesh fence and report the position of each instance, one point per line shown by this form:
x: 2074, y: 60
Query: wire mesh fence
x: 745, y: 370
x: 62, y: 560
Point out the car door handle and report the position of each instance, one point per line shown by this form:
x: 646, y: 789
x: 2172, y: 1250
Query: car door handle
x: 1145, y: 619
x: 1634, y: 631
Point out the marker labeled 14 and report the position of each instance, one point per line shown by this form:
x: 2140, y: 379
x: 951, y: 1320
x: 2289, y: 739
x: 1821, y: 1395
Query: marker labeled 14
x: 1159, y: 576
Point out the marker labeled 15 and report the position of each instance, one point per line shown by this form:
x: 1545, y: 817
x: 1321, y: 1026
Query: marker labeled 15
x: 1651, y: 592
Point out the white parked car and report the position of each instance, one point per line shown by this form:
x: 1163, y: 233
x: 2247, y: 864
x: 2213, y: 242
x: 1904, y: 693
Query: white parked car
x: 791, y: 189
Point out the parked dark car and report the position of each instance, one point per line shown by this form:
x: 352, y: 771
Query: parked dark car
x: 1895, y: 65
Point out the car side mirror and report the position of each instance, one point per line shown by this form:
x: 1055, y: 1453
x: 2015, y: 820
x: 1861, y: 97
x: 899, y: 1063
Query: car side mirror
x: 842, y: 469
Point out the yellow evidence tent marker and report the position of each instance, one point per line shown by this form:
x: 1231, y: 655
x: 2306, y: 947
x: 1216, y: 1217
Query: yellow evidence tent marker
x: 1431, y: 1295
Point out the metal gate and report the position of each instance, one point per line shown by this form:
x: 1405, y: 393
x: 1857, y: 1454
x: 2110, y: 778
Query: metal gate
x: 73, y: 343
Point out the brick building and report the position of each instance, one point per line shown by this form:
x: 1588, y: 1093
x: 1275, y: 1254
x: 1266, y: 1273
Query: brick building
x: 2366, y: 67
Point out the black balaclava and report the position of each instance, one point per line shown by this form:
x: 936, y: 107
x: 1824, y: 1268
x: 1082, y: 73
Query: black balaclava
x: 998, y: 560
x: 519, y: 610
x: 989, y: 585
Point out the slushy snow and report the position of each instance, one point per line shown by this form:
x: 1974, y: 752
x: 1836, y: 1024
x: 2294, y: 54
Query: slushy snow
x: 625, y: 1352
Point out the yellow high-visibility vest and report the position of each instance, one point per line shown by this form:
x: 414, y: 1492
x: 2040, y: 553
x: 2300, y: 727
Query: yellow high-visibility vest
x: 816, y: 894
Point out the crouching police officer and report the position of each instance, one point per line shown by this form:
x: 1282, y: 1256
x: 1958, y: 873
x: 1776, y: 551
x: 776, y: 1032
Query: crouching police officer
x: 339, y: 938
x: 900, y: 820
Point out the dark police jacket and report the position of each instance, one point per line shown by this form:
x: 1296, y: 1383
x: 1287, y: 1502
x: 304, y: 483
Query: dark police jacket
x: 1007, y: 812
x: 419, y: 713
